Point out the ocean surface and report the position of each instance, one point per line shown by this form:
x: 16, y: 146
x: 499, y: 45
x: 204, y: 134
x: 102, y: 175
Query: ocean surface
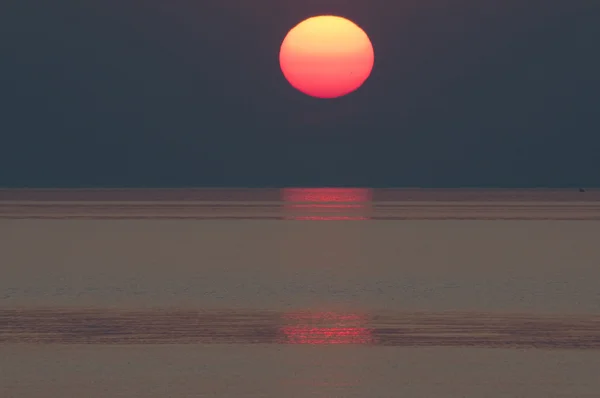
x: 299, y: 293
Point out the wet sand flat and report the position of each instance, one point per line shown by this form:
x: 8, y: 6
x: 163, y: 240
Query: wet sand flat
x: 277, y: 211
x: 488, y: 330
x: 297, y: 371
x: 378, y: 204
x: 299, y: 293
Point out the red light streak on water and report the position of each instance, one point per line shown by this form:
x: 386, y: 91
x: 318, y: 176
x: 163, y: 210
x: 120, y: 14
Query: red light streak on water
x: 327, y: 194
x: 327, y: 203
x: 316, y: 336
x: 326, y: 328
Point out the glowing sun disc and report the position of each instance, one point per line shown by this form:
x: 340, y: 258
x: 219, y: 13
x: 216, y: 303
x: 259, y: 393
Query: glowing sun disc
x: 326, y: 56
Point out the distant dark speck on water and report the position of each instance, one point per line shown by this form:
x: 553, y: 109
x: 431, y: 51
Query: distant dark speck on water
x: 581, y: 190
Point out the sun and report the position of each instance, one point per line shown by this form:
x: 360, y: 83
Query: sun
x: 326, y: 56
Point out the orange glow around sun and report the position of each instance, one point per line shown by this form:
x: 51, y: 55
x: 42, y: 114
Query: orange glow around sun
x: 326, y: 56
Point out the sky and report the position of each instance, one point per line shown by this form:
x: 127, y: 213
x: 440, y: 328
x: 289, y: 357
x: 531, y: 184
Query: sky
x: 181, y: 93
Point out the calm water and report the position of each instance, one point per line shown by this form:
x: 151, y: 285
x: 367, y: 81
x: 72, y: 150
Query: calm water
x: 300, y: 293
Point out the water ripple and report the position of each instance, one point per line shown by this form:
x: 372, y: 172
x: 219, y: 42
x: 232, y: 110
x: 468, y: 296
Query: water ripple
x: 459, y: 329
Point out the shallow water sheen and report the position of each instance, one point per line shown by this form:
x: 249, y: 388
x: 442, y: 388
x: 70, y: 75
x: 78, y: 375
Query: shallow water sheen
x: 309, y: 294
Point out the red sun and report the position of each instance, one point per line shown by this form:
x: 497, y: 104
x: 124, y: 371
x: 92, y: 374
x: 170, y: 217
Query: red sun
x: 326, y: 56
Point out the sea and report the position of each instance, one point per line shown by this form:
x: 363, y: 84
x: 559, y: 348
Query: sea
x: 299, y: 292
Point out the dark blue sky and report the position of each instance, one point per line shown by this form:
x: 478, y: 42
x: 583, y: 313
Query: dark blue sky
x: 189, y: 93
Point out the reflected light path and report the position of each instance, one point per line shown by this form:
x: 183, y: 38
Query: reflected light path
x: 327, y: 203
x: 326, y: 328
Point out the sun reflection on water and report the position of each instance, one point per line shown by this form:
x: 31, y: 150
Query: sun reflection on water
x: 327, y: 203
x: 326, y: 328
